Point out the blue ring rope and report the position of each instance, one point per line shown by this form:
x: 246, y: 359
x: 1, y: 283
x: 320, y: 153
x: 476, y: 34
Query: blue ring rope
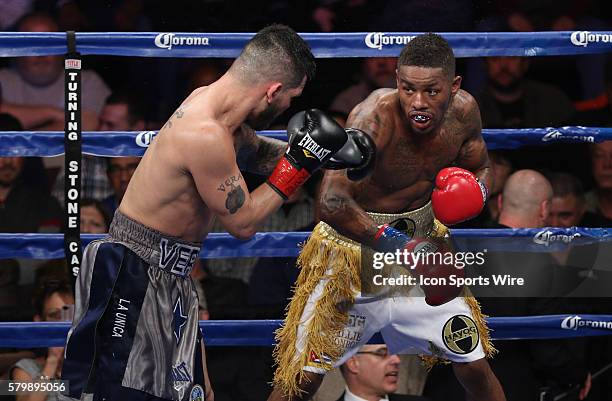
x: 286, y: 244
x: 134, y: 143
x: 324, y: 45
x: 261, y: 332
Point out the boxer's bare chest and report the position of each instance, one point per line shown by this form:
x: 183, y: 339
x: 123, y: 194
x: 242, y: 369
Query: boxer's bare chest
x: 406, y: 168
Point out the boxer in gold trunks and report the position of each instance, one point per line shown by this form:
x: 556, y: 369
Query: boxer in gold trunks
x: 431, y: 169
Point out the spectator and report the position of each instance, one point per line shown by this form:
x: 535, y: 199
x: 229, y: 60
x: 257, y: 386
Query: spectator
x: 54, y: 302
x: 376, y: 72
x: 525, y: 201
x: 599, y: 200
x: 372, y: 375
x: 33, y: 173
x: 559, y: 364
x: 25, y: 208
x: 568, y: 207
x: 510, y: 100
x: 583, y: 75
x: 33, y: 88
x: 119, y: 171
x: 21, y: 178
x: 123, y: 111
x: 94, y: 217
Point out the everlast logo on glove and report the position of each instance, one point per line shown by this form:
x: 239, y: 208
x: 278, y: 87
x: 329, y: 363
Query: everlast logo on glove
x: 313, y: 138
x: 310, y: 145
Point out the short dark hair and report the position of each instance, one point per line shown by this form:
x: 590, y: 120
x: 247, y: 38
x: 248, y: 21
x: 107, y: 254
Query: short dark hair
x: 428, y: 50
x: 100, y: 207
x: 564, y: 184
x: 276, y: 52
x: 46, y: 289
x: 134, y: 102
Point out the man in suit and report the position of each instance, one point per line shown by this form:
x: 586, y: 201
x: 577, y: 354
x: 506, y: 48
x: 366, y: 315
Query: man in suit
x: 372, y: 375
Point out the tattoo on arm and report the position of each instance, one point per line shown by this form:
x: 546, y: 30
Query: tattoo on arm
x: 235, y: 194
x: 348, y: 218
x: 257, y: 154
x: 338, y: 208
x: 267, y: 156
x: 473, y: 154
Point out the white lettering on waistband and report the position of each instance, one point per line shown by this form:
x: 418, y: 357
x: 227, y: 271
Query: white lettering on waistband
x: 178, y: 258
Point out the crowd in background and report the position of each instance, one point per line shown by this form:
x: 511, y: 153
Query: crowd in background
x: 130, y: 94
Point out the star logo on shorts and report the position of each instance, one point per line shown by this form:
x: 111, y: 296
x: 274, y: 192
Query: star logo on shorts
x: 179, y: 320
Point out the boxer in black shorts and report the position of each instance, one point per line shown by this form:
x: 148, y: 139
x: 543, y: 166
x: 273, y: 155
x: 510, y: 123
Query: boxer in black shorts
x: 135, y: 333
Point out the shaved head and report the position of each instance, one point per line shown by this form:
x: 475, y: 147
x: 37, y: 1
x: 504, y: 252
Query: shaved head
x: 524, y: 193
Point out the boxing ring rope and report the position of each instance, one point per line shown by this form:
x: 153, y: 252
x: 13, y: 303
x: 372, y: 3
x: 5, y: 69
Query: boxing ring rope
x: 286, y: 244
x: 130, y: 143
x: 218, y: 245
x: 261, y: 332
x: 324, y: 45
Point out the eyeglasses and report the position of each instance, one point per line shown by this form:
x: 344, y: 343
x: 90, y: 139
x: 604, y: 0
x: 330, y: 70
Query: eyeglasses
x: 380, y: 352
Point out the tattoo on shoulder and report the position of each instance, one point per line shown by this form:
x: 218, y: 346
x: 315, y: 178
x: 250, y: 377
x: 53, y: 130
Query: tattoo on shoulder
x: 470, y: 117
x: 371, y: 123
x: 178, y: 114
x: 235, y: 194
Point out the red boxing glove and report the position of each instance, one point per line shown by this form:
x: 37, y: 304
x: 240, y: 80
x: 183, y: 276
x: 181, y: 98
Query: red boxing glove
x: 458, y: 195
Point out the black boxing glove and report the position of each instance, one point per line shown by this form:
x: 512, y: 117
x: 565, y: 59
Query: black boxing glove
x: 358, y: 155
x: 314, y: 138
